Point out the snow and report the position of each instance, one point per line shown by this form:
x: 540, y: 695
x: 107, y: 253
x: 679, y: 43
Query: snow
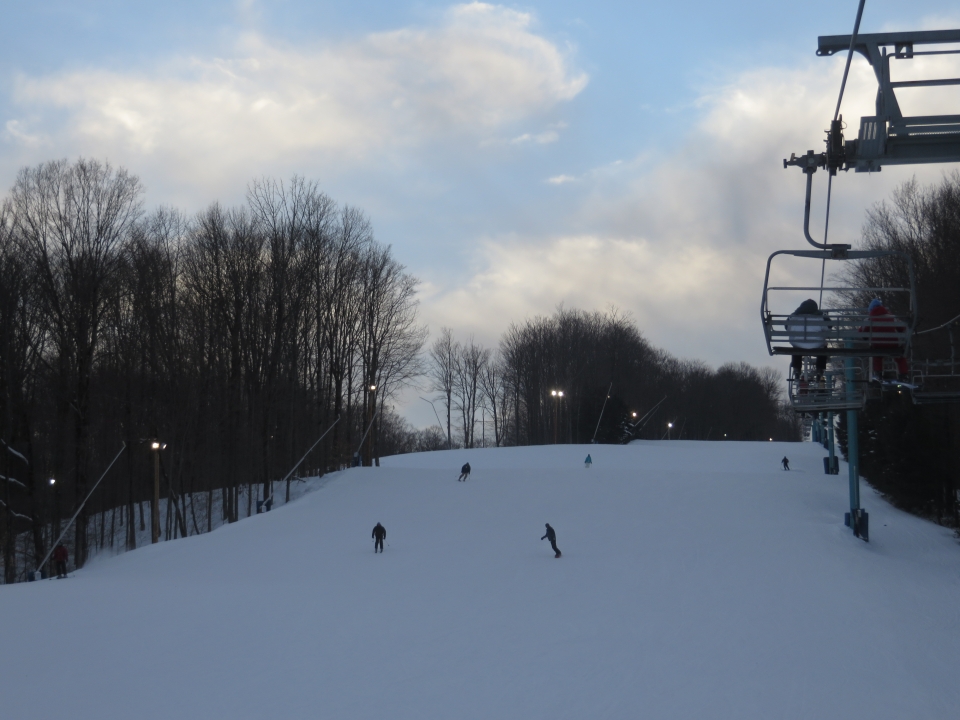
x: 697, y: 580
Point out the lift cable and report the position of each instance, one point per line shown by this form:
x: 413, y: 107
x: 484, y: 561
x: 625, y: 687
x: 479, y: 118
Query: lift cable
x: 939, y: 327
x: 846, y: 69
x: 834, y: 128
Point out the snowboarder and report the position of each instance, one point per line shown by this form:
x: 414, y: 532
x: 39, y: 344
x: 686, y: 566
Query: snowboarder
x: 807, y: 327
x: 379, y: 533
x: 786, y: 463
x: 60, y: 560
x: 464, y: 472
x: 588, y: 462
x: 552, y: 537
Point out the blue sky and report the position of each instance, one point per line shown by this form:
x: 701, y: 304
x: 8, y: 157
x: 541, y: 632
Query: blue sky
x: 516, y: 156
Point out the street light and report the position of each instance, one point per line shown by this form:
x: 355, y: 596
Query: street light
x: 156, y: 446
x: 669, y: 428
x: 557, y: 395
x: 373, y: 414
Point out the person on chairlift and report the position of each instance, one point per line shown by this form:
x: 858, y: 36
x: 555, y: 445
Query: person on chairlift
x: 807, y: 328
x: 882, y: 321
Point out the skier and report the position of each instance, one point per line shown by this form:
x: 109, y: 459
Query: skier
x: 379, y: 533
x: 464, y: 472
x: 807, y: 327
x: 552, y: 537
x: 60, y: 560
x: 786, y: 463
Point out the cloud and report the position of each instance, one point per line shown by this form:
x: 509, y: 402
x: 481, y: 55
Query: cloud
x: 478, y: 73
x: 681, y: 241
x: 561, y: 179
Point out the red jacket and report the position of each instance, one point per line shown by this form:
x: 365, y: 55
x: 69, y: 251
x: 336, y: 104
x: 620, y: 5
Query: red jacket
x: 882, y: 321
x: 60, y: 554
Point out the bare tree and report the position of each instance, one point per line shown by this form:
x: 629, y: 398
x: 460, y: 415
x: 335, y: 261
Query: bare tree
x: 442, y: 371
x: 72, y: 220
x: 469, y: 364
x: 495, y: 395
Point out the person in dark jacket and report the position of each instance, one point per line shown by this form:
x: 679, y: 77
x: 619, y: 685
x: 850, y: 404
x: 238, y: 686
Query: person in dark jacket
x: 552, y: 537
x: 60, y: 556
x: 786, y: 463
x: 379, y: 533
x: 807, y: 329
x: 464, y: 472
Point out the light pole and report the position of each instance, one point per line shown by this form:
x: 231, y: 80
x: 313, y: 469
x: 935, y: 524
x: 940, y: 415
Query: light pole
x: 51, y: 504
x: 373, y: 415
x: 156, y: 446
x: 557, y: 396
x: 669, y: 428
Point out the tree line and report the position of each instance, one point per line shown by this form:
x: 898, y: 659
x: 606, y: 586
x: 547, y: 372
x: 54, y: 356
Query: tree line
x: 579, y: 377
x: 234, y: 338
x: 909, y: 452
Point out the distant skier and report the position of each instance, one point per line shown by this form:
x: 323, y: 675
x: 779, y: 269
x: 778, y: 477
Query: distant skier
x: 552, y: 537
x: 60, y: 555
x: 379, y: 533
x: 785, y: 463
x: 464, y: 472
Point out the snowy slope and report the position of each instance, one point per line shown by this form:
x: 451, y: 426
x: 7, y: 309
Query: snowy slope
x: 698, y: 580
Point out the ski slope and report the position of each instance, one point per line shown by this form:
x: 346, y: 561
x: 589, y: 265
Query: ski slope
x: 698, y: 580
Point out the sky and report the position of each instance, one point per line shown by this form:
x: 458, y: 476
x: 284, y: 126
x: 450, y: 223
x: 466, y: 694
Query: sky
x: 515, y: 156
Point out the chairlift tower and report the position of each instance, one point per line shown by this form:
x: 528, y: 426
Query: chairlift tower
x: 886, y: 138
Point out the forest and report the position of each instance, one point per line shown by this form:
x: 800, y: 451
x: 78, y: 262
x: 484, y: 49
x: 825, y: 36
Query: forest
x: 191, y: 362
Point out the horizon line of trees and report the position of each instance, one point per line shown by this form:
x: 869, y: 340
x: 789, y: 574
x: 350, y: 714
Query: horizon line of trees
x: 577, y: 376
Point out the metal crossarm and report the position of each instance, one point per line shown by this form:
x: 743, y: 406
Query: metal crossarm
x: 889, y: 137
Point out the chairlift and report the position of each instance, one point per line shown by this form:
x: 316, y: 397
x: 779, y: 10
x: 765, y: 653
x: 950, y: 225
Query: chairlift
x: 841, y: 330
x: 833, y: 393
x: 884, y: 139
x: 936, y: 381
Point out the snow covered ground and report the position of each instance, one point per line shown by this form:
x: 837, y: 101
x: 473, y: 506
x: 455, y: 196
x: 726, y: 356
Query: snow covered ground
x: 698, y: 580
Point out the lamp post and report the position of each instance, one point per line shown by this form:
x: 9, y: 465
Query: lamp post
x: 373, y: 414
x: 669, y: 428
x: 52, y: 508
x: 557, y: 396
x: 156, y: 446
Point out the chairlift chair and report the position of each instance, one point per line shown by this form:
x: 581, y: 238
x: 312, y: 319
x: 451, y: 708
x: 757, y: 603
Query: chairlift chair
x: 842, y: 331
x: 937, y: 382
x: 833, y: 394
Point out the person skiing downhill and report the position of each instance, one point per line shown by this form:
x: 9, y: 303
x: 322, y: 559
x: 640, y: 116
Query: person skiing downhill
x: 552, y: 537
x: 379, y: 533
x: 785, y: 463
x: 60, y: 560
x: 464, y: 472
